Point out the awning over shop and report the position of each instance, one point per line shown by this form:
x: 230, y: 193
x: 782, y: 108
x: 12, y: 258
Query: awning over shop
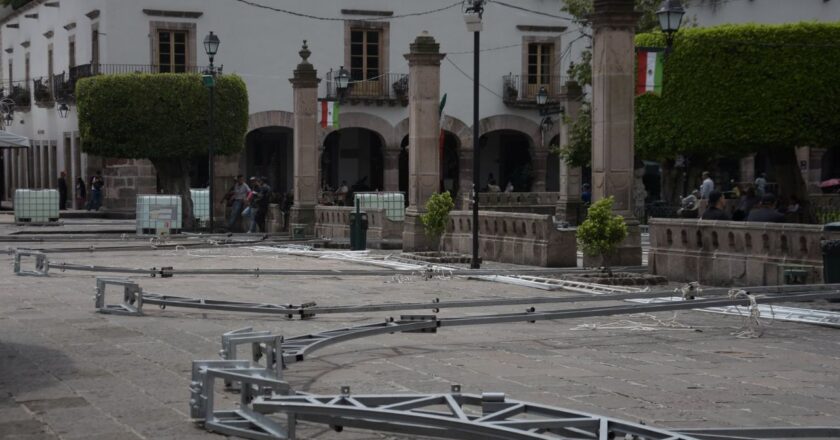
x: 11, y: 140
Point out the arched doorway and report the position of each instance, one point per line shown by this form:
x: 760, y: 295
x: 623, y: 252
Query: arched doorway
x: 830, y: 164
x: 269, y: 154
x: 506, y: 157
x: 449, y: 164
x: 353, y: 155
x: 552, y: 168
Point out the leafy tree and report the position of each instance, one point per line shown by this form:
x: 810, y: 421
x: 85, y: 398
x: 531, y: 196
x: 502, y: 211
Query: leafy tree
x: 163, y: 118
x: 733, y: 90
x: 437, y: 215
x: 602, y: 231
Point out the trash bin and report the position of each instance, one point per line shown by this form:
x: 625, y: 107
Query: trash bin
x: 831, y: 255
x: 358, y: 231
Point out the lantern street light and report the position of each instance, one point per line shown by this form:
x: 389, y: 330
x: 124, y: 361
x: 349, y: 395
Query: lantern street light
x: 211, y: 47
x: 63, y: 109
x: 670, y: 15
x: 342, y: 81
x: 542, y: 96
x: 472, y: 18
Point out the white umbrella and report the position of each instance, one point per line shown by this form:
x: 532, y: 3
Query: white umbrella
x: 11, y: 140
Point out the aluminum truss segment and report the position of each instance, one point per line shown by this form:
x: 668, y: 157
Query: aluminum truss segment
x: 42, y: 263
x: 132, y: 300
x: 781, y: 432
x: 458, y: 416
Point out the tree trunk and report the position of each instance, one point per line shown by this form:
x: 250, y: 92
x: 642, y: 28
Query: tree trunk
x: 174, y: 177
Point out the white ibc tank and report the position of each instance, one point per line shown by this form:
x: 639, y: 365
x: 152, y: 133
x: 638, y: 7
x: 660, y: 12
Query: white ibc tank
x: 392, y: 202
x: 201, y: 204
x: 158, y: 214
x: 36, y: 206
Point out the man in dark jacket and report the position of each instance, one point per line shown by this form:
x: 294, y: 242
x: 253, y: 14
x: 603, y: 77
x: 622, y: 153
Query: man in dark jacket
x: 715, y: 210
x: 766, y: 211
x: 62, y: 191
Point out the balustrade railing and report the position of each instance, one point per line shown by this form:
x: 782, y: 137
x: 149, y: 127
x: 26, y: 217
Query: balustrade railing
x: 392, y: 86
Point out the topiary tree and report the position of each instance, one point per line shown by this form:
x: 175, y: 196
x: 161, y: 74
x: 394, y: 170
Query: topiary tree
x: 602, y: 231
x: 163, y: 118
x: 437, y: 215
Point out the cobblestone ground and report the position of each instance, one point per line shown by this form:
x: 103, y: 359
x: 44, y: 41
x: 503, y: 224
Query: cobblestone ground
x: 67, y: 372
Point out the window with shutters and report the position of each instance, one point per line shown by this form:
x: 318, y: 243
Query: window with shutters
x: 365, y: 54
x: 172, y: 51
x: 540, y: 62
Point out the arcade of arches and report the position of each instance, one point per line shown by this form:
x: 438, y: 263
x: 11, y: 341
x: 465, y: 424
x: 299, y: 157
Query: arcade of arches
x: 354, y: 156
x: 268, y: 153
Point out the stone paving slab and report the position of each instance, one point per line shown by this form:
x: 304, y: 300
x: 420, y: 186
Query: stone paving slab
x: 69, y: 373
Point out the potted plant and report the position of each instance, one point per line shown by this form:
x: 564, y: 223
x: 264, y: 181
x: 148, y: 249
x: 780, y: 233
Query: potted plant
x: 601, y: 233
x: 437, y: 216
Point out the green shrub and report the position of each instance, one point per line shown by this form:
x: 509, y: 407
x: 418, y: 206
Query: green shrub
x: 437, y: 215
x: 602, y: 231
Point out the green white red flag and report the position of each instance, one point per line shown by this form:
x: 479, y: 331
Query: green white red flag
x: 648, y: 72
x: 329, y: 114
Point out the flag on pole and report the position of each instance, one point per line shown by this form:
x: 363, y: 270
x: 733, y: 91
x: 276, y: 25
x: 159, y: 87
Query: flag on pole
x: 329, y: 114
x: 648, y: 72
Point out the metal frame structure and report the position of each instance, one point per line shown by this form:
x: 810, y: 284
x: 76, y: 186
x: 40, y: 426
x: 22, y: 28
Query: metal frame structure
x: 42, y: 263
x: 132, y: 299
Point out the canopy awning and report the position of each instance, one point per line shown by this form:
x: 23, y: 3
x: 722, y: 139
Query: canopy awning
x: 11, y: 140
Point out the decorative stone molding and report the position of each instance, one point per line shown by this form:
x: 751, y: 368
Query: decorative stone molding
x: 13, y: 25
x: 69, y: 26
x: 333, y: 223
x: 535, y: 28
x: 368, y: 13
x: 615, y: 14
x: 32, y: 16
x: 512, y: 122
x: 25, y: 43
x: 271, y: 118
x: 177, y: 14
x: 364, y: 120
x: 94, y: 14
x: 48, y: 34
x: 524, y: 202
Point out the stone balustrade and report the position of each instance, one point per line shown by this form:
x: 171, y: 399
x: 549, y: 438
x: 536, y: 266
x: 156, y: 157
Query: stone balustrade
x: 333, y: 223
x: 530, y: 202
x: 510, y: 237
x: 726, y: 253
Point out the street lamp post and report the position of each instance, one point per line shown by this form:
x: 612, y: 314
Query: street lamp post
x: 211, y: 46
x: 342, y: 81
x: 670, y: 15
x: 472, y: 18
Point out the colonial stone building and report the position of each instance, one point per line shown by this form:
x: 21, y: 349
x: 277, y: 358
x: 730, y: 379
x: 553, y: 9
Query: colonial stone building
x: 48, y: 45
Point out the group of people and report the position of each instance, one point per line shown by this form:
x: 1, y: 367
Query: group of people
x: 249, y: 200
x: 756, y: 204
x: 81, y: 190
x: 493, y: 187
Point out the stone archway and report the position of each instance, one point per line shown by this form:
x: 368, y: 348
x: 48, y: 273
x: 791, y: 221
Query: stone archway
x: 367, y: 121
x: 271, y: 118
x: 269, y: 149
x: 526, y: 131
x: 353, y: 156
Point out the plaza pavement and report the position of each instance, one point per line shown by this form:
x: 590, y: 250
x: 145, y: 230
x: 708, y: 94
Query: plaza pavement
x: 69, y: 373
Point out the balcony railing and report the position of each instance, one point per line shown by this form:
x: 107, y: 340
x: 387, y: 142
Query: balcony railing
x: 42, y: 90
x: 64, y: 89
x: 521, y: 90
x: 391, y: 88
x: 19, y: 92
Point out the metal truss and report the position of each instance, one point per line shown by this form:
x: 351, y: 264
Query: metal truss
x: 132, y: 298
x: 42, y: 263
x: 152, y: 245
x: 780, y: 432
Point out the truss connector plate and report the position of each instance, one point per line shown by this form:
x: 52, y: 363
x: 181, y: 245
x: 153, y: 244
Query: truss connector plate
x: 132, y: 300
x: 415, y: 318
x: 42, y: 263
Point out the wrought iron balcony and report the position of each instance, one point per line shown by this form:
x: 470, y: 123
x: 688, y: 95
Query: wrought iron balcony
x: 64, y: 89
x: 86, y: 70
x: 388, y: 88
x: 521, y: 90
x: 18, y: 92
x: 42, y: 90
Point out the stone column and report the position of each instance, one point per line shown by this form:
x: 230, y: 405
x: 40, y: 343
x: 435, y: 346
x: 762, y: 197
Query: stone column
x: 748, y: 169
x: 815, y: 167
x: 423, y: 136
x: 392, y: 168
x: 569, y: 204
x: 538, y: 163
x: 14, y: 171
x: 465, y: 176
x: 305, y: 85
x: 613, y: 23
x: 7, y: 178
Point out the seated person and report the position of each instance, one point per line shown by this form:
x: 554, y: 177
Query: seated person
x: 689, y: 205
x: 492, y: 187
x: 766, y: 211
x: 716, y: 205
x: 341, y: 193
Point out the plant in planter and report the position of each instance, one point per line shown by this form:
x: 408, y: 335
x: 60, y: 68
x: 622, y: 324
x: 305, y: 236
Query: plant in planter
x: 401, y: 87
x: 602, y: 231
x: 436, y: 216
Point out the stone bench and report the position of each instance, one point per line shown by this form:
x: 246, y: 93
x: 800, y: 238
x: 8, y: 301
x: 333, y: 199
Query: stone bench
x: 333, y: 223
x: 510, y: 237
x: 725, y: 253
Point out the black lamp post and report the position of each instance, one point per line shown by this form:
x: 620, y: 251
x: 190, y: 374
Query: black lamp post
x: 211, y: 47
x: 670, y: 15
x: 472, y: 18
x: 342, y: 81
x: 63, y: 109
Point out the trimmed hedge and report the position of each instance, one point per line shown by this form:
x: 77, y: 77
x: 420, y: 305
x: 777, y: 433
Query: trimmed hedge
x: 159, y: 116
x: 735, y: 89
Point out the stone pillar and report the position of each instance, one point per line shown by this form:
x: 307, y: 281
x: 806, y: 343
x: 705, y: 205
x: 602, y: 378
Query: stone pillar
x: 569, y: 205
x: 613, y: 23
x: 423, y: 136
x: 539, y: 163
x: 305, y: 85
x: 392, y: 168
x: 7, y: 179
x: 14, y: 171
x: 748, y: 169
x: 815, y: 166
x: 465, y: 176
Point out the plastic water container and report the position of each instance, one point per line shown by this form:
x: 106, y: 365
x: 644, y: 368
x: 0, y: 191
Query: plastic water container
x: 158, y: 214
x: 392, y: 202
x: 201, y: 204
x: 36, y: 206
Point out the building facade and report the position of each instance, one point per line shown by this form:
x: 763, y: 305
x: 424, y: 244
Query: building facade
x: 48, y: 45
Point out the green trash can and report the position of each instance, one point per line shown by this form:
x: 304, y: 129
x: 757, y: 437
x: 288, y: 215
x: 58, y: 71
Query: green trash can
x: 358, y: 231
x: 831, y: 256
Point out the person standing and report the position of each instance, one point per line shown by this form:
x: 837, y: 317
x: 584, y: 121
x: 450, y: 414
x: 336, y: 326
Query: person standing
x: 263, y: 198
x: 715, y: 211
x: 707, y: 186
x: 81, y: 193
x: 761, y: 184
x: 766, y: 211
x: 62, y: 191
x: 240, y: 192
x: 96, y: 184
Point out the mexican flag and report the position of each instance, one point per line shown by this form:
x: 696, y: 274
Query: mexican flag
x: 648, y: 72
x: 329, y: 114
